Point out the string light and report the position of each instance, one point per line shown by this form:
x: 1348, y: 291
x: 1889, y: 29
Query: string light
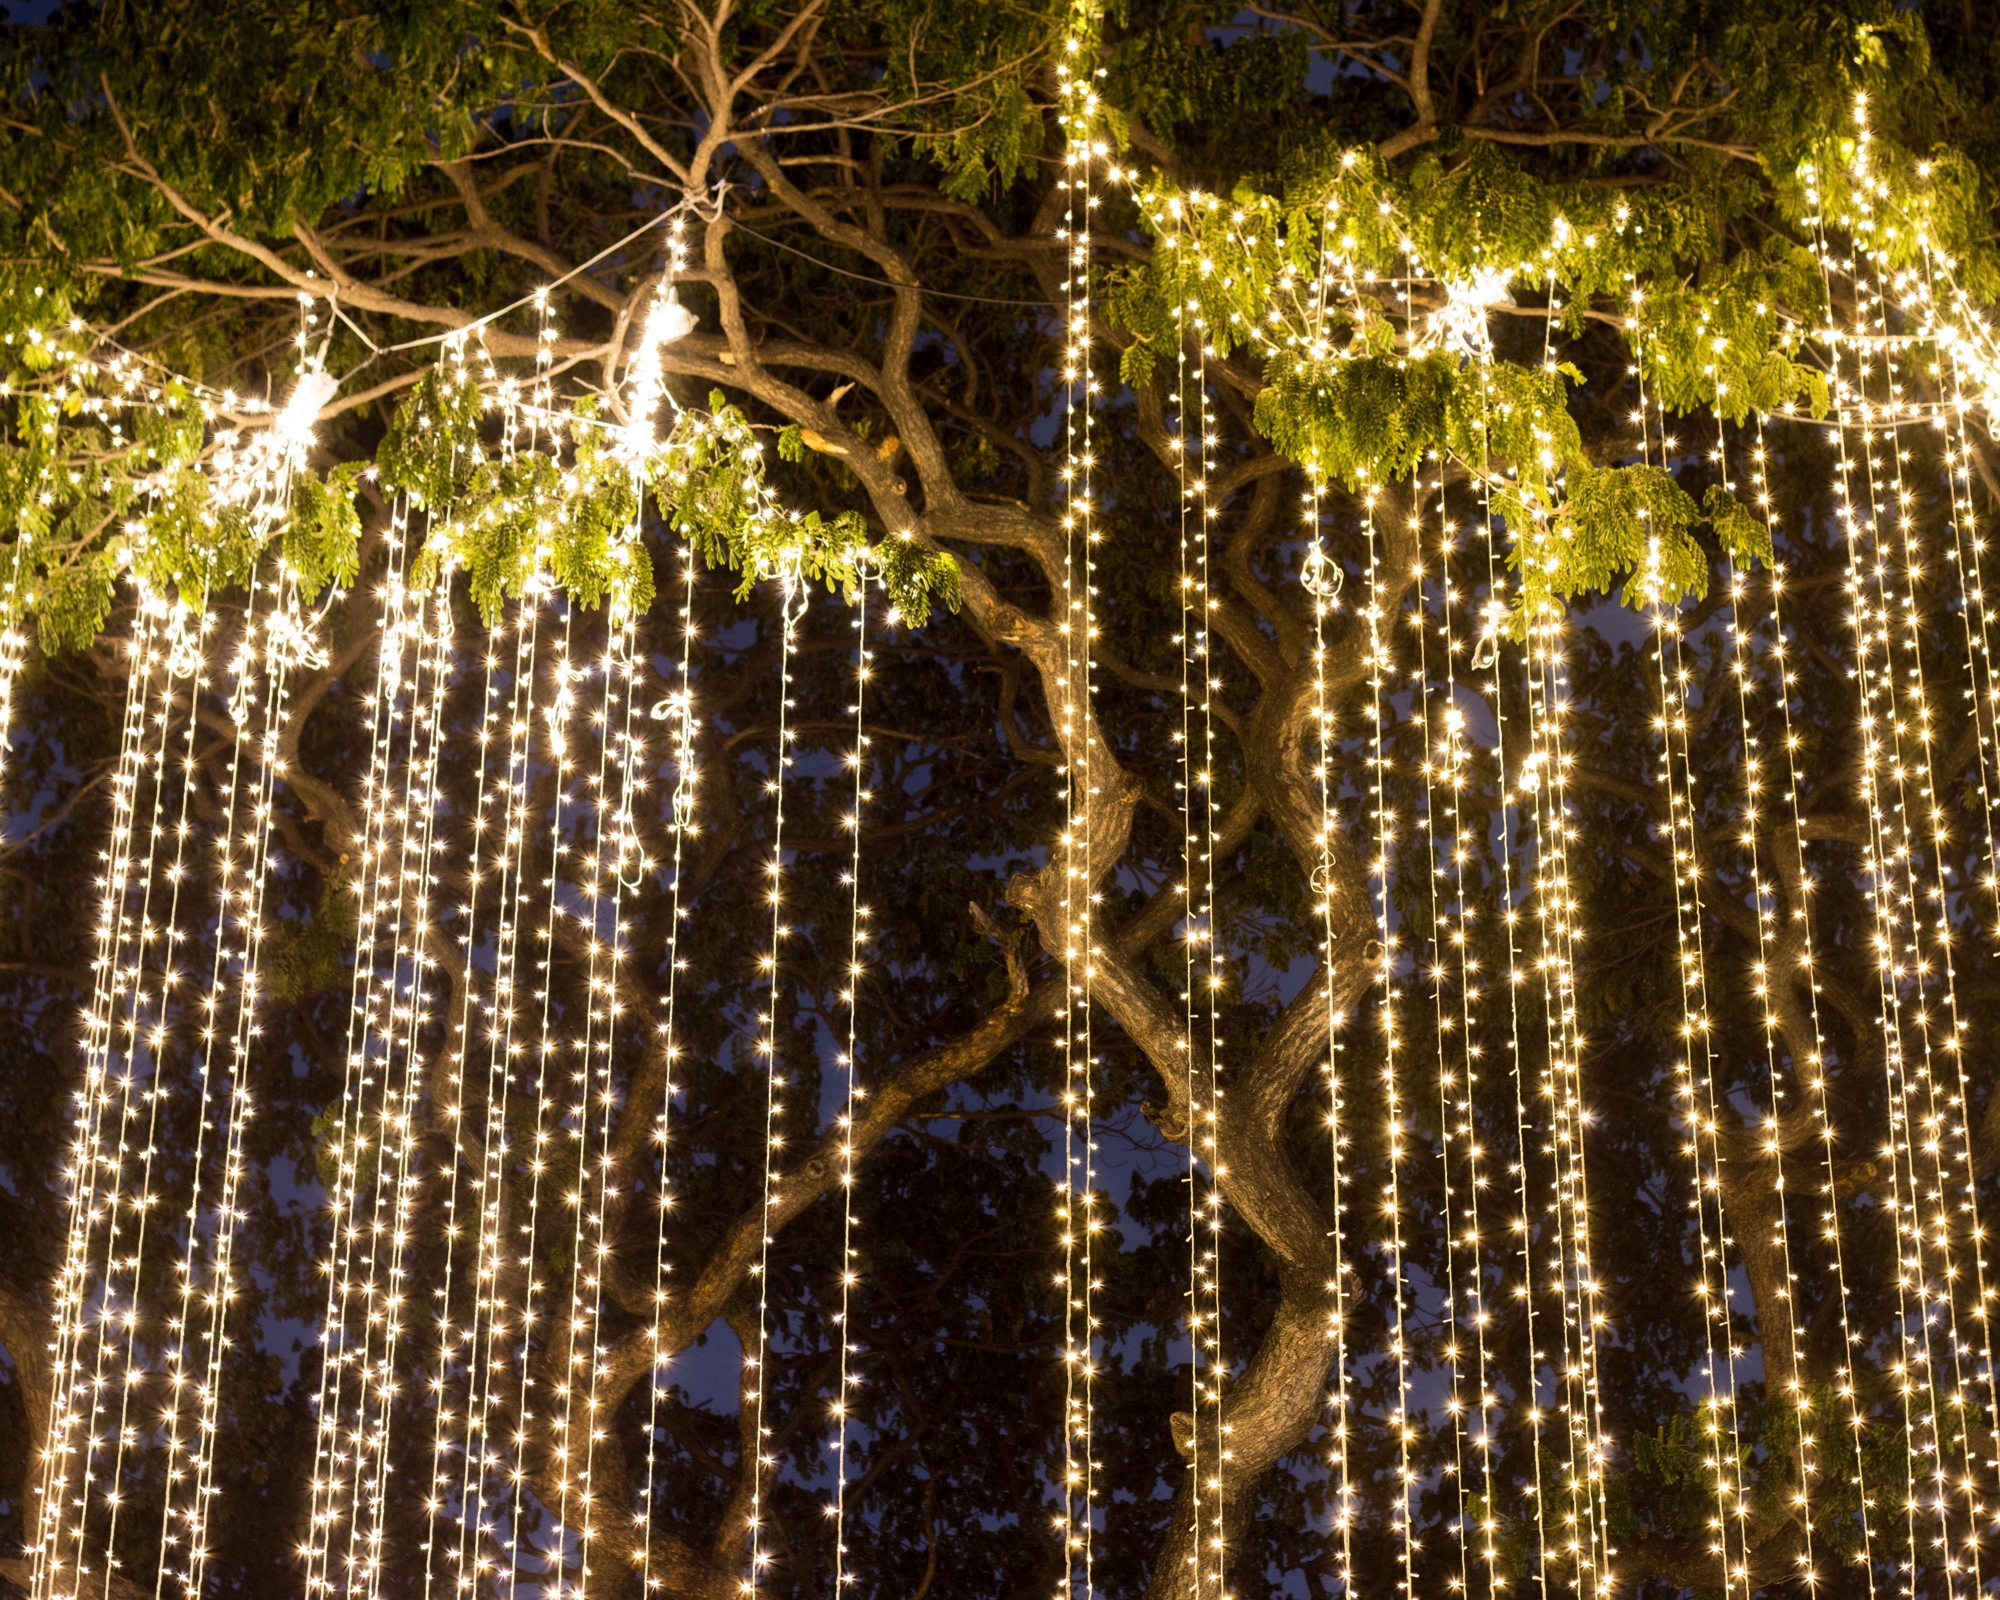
x: 1967, y: 547
x: 1815, y: 1063
x: 1078, y: 102
x: 170, y: 636
x: 1444, y: 782
x: 287, y: 646
x: 78, y: 1394
x: 1438, y: 822
x: 497, y: 829
x: 555, y: 736
x: 1208, y: 1280
x: 1694, y: 1067
x: 857, y: 915
x: 186, y: 1459
x: 1379, y: 667
x: 1188, y: 481
x: 791, y: 611
x: 487, y: 1322
x: 1508, y: 826
x: 1545, y: 777
x: 1830, y: 336
x: 619, y: 757
x: 1917, y: 798
x: 372, y: 1139
x: 404, y: 998
x: 1765, y: 980
x: 1321, y: 578
x: 462, y: 1351
x: 1339, y: 1464
x: 1955, y: 341
x: 346, y: 1141
x: 1880, y: 891
x: 392, y: 1010
x: 369, y: 1138
x: 13, y: 645
x: 677, y: 711
x: 1463, y: 867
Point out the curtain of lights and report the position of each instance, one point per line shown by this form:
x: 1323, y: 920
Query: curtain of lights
x: 583, y: 746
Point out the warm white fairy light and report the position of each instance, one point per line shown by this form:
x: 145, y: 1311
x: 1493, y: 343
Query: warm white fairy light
x: 849, y: 1059
x: 173, y: 637
x: 1452, y: 915
x: 1813, y: 1067
x: 1438, y: 827
x: 391, y: 1005
x: 138, y: 972
x: 71, y: 1291
x: 69, y: 1442
x: 1206, y: 1114
x: 573, y: 1423
x: 1188, y: 477
x: 371, y: 1137
x: 1877, y: 886
x: 1916, y: 813
x: 459, y: 1351
x: 1321, y: 578
x: 81, y: 1379
x: 1555, y: 975
x: 487, y: 1327
x: 378, y: 1125
x: 1694, y: 1089
x: 187, y: 631
x: 677, y: 712
x: 791, y: 611
x: 1472, y: 987
x: 559, y: 738
x: 187, y: 1457
x: 618, y: 783
x: 406, y: 995
x: 1544, y: 780
x: 13, y: 644
x: 1767, y: 983
x: 1076, y: 735
x: 1979, y: 691
x: 1929, y: 1109
x: 287, y: 648
x: 1320, y: 585
x: 348, y: 1140
x: 620, y: 786
x: 460, y: 1348
x: 1878, y: 853
x: 1380, y: 664
x: 209, y: 1383
x: 1517, y: 788
x: 519, y: 993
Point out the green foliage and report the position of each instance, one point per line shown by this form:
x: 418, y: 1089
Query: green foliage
x: 151, y: 505
x: 76, y: 598
x: 1742, y: 534
x: 913, y: 575
x: 1360, y: 391
x: 1169, y: 79
x: 1726, y: 345
x: 322, y: 538
x: 1617, y: 522
x: 959, y: 75
x: 711, y: 495
x: 1370, y: 418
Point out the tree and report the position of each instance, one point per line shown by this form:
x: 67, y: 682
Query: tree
x: 878, y: 213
